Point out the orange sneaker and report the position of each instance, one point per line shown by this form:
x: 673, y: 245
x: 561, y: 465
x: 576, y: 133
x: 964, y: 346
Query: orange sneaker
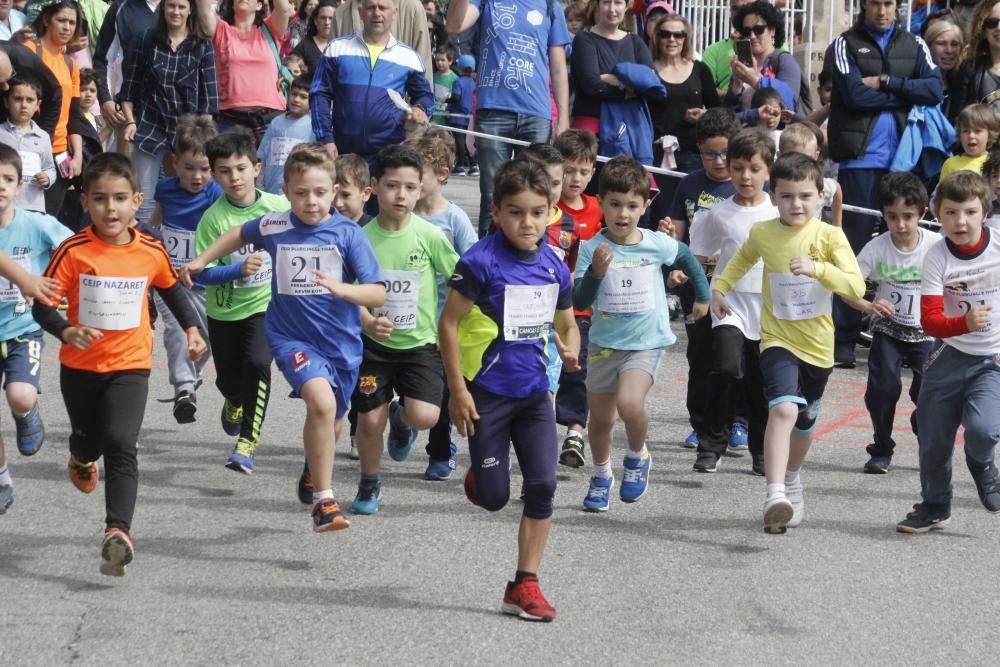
x: 116, y: 552
x: 83, y: 475
x: 327, y: 516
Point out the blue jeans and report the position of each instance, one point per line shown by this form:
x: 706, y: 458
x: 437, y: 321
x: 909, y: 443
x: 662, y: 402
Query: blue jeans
x: 149, y: 169
x: 885, y: 385
x: 491, y: 154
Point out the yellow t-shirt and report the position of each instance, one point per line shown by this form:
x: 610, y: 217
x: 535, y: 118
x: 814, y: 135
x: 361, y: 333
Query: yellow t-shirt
x: 796, y: 313
x: 963, y: 163
x: 374, y: 51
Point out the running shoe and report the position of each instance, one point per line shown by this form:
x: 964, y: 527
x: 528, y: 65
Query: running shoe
x: 6, y: 497
x: 232, y: 418
x: 30, y: 432
x: 923, y: 519
x: 706, y: 462
x: 116, y: 552
x: 794, y: 493
x: 987, y: 485
x: 369, y: 495
x: 241, y: 460
x: 878, y: 465
x: 598, y: 496
x: 525, y: 600
x: 305, y: 489
x: 777, y: 513
x: 401, y: 436
x: 185, y: 405
x: 459, y: 171
x: 327, y: 516
x: 691, y: 442
x: 757, y: 467
x: 635, y: 478
x: 353, y: 454
x: 83, y: 475
x: 473, y: 171
x: 739, y: 439
x: 571, y: 454
x: 439, y: 471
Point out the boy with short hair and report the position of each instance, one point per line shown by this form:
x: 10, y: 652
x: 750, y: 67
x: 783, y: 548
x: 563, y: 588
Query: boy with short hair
x: 285, y: 132
x: 354, y: 188
x: 958, y: 299
x: 28, y: 238
x: 32, y: 143
x: 618, y: 273
x: 107, y: 352
x: 237, y: 296
x: 444, y: 78
x: 400, y: 346
x: 324, y: 270
x: 507, y: 291
x: 894, y: 261
x: 804, y: 261
x: 805, y: 137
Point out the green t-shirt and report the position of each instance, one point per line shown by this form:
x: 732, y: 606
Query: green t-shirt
x: 237, y: 300
x: 411, y: 259
x: 719, y: 58
x: 442, y: 92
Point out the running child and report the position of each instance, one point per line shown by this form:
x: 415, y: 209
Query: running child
x: 28, y: 238
x: 978, y: 127
x: 619, y: 274
x: 23, y: 134
x: 895, y: 262
x: 324, y: 270
x: 804, y: 261
x: 354, y: 189
x: 959, y: 303
x: 107, y: 270
x: 285, y: 132
x: 237, y: 296
x: 506, y: 292
x: 807, y: 138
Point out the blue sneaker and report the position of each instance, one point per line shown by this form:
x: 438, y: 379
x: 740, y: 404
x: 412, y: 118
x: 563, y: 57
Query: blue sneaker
x: 739, y: 439
x: 439, y: 471
x: 599, y: 494
x: 635, y: 478
x: 369, y: 493
x: 691, y: 442
x: 241, y: 460
x: 30, y: 432
x: 232, y: 418
x: 6, y: 497
x: 401, y: 436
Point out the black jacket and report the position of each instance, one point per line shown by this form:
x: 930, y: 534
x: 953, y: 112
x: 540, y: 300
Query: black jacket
x: 25, y: 62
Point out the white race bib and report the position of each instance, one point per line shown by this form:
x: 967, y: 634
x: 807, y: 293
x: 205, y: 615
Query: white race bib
x: 280, y: 148
x: 110, y: 303
x: 402, y: 294
x: 179, y: 244
x: 798, y: 297
x: 528, y: 310
x: 263, y: 275
x: 297, y: 265
x: 9, y: 293
x: 958, y: 304
x: 906, y: 299
x: 628, y: 290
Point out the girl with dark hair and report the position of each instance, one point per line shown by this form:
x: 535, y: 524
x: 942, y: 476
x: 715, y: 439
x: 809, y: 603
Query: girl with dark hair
x: 762, y: 24
x: 298, y: 26
x: 318, y: 34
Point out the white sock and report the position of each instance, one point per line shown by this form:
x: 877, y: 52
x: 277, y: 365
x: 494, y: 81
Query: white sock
x: 603, y: 470
x: 322, y: 495
x: 774, y: 490
x: 629, y: 454
x: 5, y: 478
x: 570, y: 433
x: 791, y: 477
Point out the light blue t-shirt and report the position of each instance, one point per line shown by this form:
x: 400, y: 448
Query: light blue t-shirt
x: 630, y: 312
x: 282, y: 135
x: 457, y: 228
x: 29, y: 239
x: 515, y: 38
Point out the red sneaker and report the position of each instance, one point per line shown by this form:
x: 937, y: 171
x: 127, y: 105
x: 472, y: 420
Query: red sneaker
x: 526, y: 601
x: 83, y: 475
x: 470, y: 487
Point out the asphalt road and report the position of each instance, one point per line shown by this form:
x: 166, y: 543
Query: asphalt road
x: 228, y: 571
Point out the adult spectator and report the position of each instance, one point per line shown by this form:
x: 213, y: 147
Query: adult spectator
x: 11, y: 20
x: 880, y: 71
x: 409, y: 27
x: 170, y: 72
x: 435, y: 25
x: 352, y: 111
x: 15, y: 58
x: 978, y: 79
x: 298, y: 26
x: 772, y: 67
x: 719, y: 56
x: 318, y: 34
x: 522, y: 66
x: 947, y: 43
x: 245, y: 36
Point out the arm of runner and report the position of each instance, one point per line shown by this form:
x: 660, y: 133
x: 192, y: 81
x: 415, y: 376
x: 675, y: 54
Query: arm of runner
x: 461, y: 405
x: 369, y: 295
x: 567, y: 339
x: 226, y: 244
x: 38, y: 288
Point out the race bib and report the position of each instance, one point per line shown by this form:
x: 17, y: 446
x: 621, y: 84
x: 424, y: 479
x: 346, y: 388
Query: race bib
x: 9, y: 293
x: 263, y: 275
x: 280, y: 148
x: 402, y: 294
x: 528, y: 310
x: 798, y: 297
x: 628, y: 290
x: 905, y: 297
x: 113, y: 304
x: 298, y: 264
x: 958, y: 302
x: 179, y: 244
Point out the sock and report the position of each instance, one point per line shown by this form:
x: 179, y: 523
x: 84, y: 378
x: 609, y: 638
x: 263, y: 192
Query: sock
x: 570, y: 433
x: 370, y: 479
x: 521, y: 575
x: 603, y: 470
x: 20, y: 415
x: 5, y: 478
x: 791, y: 477
x: 775, y: 490
x: 629, y: 454
x: 322, y: 495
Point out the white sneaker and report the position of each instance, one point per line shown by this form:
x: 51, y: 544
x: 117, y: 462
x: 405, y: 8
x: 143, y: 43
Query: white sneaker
x: 353, y: 454
x: 777, y: 513
x: 793, y: 492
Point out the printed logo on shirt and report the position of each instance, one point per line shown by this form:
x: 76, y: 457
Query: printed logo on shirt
x: 367, y: 385
x: 813, y: 252
x: 300, y: 360
x: 274, y: 223
x: 565, y: 240
x: 864, y: 49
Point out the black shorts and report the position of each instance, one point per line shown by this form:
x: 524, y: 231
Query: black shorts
x: 416, y: 373
x: 22, y: 359
x: 788, y: 379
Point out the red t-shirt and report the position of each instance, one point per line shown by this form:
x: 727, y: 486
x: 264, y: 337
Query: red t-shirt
x: 589, y: 220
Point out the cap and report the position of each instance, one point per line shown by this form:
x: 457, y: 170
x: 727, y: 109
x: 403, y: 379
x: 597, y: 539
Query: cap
x: 466, y: 62
x: 659, y: 4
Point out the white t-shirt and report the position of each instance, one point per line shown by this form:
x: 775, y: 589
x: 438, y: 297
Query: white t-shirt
x: 721, y: 231
x: 898, y: 275
x: 965, y: 283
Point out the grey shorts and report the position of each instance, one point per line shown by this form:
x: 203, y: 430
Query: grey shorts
x: 604, y: 365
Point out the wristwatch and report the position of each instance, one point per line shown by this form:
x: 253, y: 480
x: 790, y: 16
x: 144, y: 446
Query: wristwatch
x: 883, y: 82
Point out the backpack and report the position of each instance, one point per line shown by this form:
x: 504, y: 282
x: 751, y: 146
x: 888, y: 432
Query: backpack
x: 285, y: 77
x: 803, y: 100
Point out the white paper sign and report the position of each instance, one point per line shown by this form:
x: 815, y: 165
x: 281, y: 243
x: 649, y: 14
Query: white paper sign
x: 402, y: 294
x: 906, y: 299
x: 179, y: 244
x: 297, y: 265
x: 263, y: 275
x: 9, y: 293
x: 280, y: 148
x: 112, y: 303
x: 798, y: 297
x: 528, y: 310
x: 31, y: 164
x: 628, y: 290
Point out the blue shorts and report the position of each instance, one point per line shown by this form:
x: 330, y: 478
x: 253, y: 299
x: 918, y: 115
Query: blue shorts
x: 788, y: 379
x: 300, y: 362
x: 22, y: 359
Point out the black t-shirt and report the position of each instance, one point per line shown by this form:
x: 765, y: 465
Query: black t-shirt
x: 592, y: 56
x: 697, y: 91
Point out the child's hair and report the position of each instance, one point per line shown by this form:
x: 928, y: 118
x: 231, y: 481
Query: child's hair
x: 87, y: 76
x: 302, y: 82
x: 237, y: 141
x: 435, y: 147
x: 795, y: 136
x: 293, y: 59
x: 397, y: 157
x: 25, y: 79
x: 716, y: 122
x: 309, y: 155
x: 576, y: 11
x: 448, y: 50
x: 352, y: 170
x: 902, y: 185
x: 992, y: 164
x: 577, y: 146
x: 625, y: 175
x: 961, y: 186
x: 750, y: 142
x: 9, y: 156
x: 766, y: 96
x: 796, y: 167
x: 115, y: 165
x: 979, y: 117
x: 825, y: 77
x: 193, y: 133
x: 517, y: 176
x: 545, y: 154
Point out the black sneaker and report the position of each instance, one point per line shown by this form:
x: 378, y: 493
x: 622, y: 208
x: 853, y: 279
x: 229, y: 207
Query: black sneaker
x: 305, y: 489
x: 878, y: 465
x: 843, y: 355
x: 757, y: 468
x: 988, y: 485
x: 571, y: 454
x: 706, y: 462
x: 923, y: 519
x: 185, y: 405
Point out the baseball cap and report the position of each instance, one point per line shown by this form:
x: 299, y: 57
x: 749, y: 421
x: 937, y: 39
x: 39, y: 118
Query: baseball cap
x: 466, y: 62
x: 659, y: 4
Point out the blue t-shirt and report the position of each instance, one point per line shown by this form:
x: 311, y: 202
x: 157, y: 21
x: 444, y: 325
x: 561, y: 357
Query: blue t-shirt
x: 630, y: 312
x: 29, y: 239
x: 457, y: 228
x: 515, y: 38
x: 180, y: 208
x: 282, y: 135
x: 301, y: 310
x: 515, y: 294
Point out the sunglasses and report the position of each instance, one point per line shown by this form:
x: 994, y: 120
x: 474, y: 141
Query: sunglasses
x: 667, y: 34
x: 991, y: 23
x: 758, y: 30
